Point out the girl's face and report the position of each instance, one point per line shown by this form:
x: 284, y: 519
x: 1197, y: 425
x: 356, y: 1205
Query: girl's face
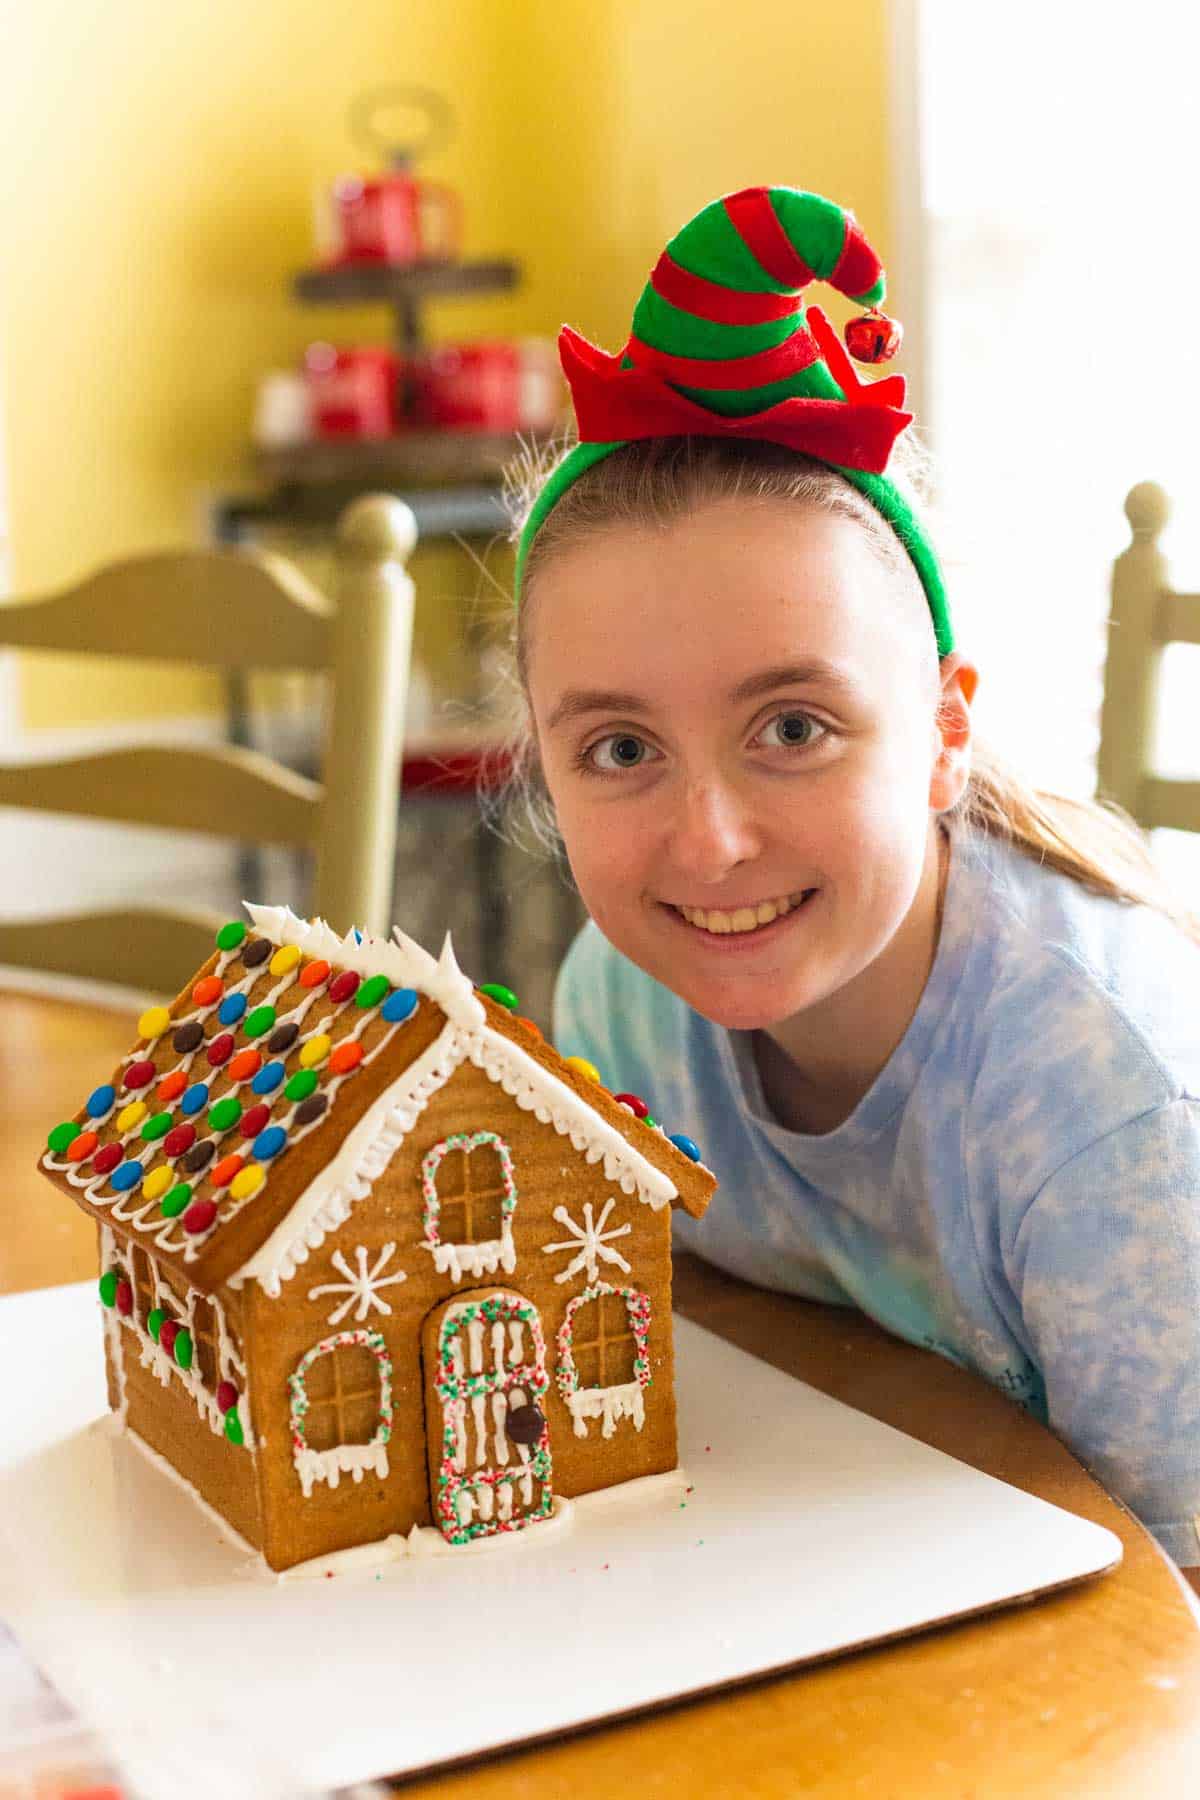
x: 737, y: 720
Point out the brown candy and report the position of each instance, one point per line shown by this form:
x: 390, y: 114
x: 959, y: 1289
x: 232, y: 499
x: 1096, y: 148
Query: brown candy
x: 255, y: 952
x: 187, y: 1037
x: 283, y: 1037
x: 199, y: 1156
x: 311, y: 1109
x: 525, y: 1425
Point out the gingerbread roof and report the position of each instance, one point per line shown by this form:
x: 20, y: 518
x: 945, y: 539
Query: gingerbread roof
x: 260, y: 1105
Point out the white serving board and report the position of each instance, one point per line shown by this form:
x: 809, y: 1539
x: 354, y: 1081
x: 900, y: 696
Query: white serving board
x: 810, y: 1529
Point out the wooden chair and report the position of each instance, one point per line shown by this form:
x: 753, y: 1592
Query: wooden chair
x: 1147, y: 613
x: 233, y: 610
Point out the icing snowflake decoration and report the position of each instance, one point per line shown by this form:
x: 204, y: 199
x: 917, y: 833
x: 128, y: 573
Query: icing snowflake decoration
x: 590, y: 1241
x: 361, y: 1287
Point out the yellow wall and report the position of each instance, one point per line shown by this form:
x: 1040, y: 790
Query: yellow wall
x: 163, y: 161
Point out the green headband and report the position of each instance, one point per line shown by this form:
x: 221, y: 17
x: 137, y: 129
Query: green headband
x: 722, y: 345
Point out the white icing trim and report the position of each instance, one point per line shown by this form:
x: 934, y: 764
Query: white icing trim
x: 330, y: 1465
x: 610, y: 1404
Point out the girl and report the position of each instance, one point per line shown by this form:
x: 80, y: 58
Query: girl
x: 939, y: 1036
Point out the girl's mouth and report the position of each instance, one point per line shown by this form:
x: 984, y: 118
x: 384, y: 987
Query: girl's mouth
x: 742, y: 921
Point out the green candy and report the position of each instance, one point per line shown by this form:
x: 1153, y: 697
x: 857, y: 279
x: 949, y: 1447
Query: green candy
x: 503, y: 996
x: 233, y: 1427
x: 156, y: 1127
x: 300, y: 1085
x: 224, y: 1113
x: 260, y: 1020
x: 62, y: 1135
x: 652, y: 1123
x: 108, y: 1287
x: 155, y: 1321
x: 371, y: 991
x: 183, y: 1349
x: 174, y: 1201
x: 231, y: 935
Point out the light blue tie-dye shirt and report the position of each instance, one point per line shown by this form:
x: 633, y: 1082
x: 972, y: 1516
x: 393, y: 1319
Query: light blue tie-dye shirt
x: 1019, y: 1190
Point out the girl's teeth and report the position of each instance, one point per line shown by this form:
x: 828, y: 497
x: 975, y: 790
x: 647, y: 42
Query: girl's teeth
x: 746, y: 918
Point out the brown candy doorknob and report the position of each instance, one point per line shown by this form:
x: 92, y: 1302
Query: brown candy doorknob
x: 525, y: 1425
x: 873, y: 337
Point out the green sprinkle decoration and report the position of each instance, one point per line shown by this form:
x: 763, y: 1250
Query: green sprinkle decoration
x: 503, y: 996
x: 371, y: 991
x: 156, y: 1127
x: 231, y: 935
x: 260, y: 1020
x: 300, y: 1085
x: 62, y: 1135
x: 176, y: 1199
x: 224, y: 1113
x: 233, y: 1427
x: 108, y: 1287
x: 183, y: 1349
x: 155, y: 1321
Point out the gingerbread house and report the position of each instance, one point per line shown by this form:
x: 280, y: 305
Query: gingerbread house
x: 374, y: 1257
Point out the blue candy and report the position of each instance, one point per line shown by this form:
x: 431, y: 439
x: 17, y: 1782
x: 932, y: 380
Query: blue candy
x: 125, y: 1176
x: 400, y: 1004
x: 270, y: 1142
x: 231, y: 1008
x: 268, y: 1078
x: 195, y: 1099
x: 100, y: 1101
x: 686, y: 1145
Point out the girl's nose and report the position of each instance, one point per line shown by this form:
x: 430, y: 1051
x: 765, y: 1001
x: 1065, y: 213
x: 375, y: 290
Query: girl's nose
x: 711, y: 832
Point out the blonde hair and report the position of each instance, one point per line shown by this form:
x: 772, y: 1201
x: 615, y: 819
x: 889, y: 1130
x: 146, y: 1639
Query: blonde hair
x: 651, y: 484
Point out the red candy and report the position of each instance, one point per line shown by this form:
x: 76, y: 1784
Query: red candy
x: 226, y: 1169
x: 124, y: 1298
x: 220, y: 1049
x: 139, y: 1075
x: 227, y: 1396
x: 254, y: 1120
x: 245, y: 1064
x: 179, y: 1139
x: 107, y: 1159
x: 171, y: 1086
x: 80, y: 1148
x: 199, y: 1216
x: 314, y: 974
x: 345, y: 985
x: 636, y: 1106
x: 167, y: 1335
x: 208, y: 991
x: 347, y: 1056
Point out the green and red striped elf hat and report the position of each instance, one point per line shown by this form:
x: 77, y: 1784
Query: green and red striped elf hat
x: 723, y: 346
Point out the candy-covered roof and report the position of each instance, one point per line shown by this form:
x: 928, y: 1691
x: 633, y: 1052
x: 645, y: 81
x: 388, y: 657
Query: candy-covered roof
x: 257, y: 1108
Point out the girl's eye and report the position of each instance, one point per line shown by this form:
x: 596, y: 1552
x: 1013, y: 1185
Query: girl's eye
x: 621, y: 751
x: 793, y: 729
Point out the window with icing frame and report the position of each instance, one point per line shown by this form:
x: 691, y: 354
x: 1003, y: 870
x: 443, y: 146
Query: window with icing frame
x: 470, y: 1194
x: 342, y: 1396
x: 606, y: 1354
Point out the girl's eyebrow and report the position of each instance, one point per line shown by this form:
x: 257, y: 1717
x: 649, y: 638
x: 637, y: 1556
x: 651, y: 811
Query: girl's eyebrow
x: 576, y: 703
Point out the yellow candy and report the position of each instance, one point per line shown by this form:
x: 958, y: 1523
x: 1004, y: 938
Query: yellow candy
x: 284, y: 959
x: 583, y: 1067
x: 153, y: 1022
x: 247, y: 1181
x: 315, y: 1051
x: 131, y: 1115
x: 158, y: 1181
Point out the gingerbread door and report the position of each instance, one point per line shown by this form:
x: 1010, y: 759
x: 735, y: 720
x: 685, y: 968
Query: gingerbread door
x: 488, y: 1440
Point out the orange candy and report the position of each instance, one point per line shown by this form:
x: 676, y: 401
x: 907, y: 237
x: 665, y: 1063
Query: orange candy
x: 224, y: 1171
x: 80, y: 1148
x: 171, y: 1086
x: 208, y: 991
x: 313, y: 974
x: 245, y: 1064
x: 529, y: 1026
x: 345, y: 1057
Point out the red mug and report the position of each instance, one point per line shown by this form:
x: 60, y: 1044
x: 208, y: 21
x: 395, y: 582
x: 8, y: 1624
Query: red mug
x: 395, y: 219
x: 353, y: 393
x: 501, y: 386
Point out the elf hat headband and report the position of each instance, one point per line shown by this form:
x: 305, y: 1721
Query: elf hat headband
x: 722, y: 346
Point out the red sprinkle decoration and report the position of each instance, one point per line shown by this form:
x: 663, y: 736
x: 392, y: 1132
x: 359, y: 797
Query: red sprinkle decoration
x: 220, y: 1049
x: 199, y: 1216
x: 107, y: 1159
x: 245, y: 1064
x: 345, y: 1057
x: 124, y: 1298
x: 179, y: 1139
x: 252, y: 1122
x: 314, y: 974
x: 168, y: 1332
x: 636, y: 1105
x: 225, y: 1171
x: 171, y: 1086
x: 139, y: 1075
x: 227, y: 1396
x: 345, y: 985
x: 208, y: 991
x: 80, y: 1148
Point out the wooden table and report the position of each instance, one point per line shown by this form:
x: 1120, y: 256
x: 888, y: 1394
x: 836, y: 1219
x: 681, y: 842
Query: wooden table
x: 1091, y: 1692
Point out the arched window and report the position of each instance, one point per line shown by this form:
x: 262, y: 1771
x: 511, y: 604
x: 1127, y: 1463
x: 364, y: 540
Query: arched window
x: 341, y: 1409
x: 470, y: 1195
x: 603, y: 1362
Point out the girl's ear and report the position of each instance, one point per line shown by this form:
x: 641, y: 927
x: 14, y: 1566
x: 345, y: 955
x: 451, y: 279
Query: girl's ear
x: 959, y: 680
